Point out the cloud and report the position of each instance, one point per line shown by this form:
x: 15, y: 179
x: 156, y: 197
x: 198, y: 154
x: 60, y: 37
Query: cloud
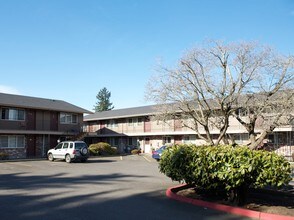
x: 8, y: 89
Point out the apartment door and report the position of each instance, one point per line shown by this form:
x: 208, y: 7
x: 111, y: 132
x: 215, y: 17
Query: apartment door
x: 147, y: 125
x: 53, y: 121
x: 178, y: 125
x: 31, y: 146
x: 147, y: 145
x: 31, y: 120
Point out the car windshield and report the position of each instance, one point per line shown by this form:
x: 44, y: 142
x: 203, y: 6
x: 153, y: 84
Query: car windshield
x: 161, y: 149
x: 80, y: 145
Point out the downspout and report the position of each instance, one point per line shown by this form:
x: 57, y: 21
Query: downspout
x: 43, y: 147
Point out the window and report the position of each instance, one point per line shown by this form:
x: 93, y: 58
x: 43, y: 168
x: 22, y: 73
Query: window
x: 112, y: 124
x: 130, y: 141
x: 59, y: 146
x: 135, y: 121
x: 68, y: 118
x: 74, y: 119
x: 241, y: 138
x: 12, y: 114
x: 186, y: 139
x: 166, y: 140
x: 12, y: 141
x: 116, y: 141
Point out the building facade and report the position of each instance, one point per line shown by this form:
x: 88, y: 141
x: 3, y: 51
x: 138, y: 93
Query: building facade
x: 30, y: 126
x: 126, y: 128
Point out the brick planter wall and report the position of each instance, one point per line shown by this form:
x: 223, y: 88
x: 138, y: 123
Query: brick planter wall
x: 14, y: 153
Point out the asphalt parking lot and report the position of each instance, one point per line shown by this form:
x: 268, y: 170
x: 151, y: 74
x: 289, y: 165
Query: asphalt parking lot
x: 129, y: 187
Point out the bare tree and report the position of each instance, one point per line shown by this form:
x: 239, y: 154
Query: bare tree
x: 270, y: 103
x: 209, y: 85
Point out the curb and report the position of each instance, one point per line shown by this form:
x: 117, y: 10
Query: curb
x: 22, y: 160
x: 225, y: 208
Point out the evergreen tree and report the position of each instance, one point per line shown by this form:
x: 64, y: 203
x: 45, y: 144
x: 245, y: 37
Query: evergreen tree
x: 103, y: 101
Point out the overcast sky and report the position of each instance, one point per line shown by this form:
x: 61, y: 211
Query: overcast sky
x: 70, y: 49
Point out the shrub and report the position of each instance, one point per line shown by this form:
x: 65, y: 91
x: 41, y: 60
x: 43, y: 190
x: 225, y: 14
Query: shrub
x: 102, y: 148
x: 136, y: 151
x: 174, y: 163
x: 225, y: 167
x: 4, y: 156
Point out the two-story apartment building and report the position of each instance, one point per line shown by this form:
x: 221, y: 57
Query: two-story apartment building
x: 30, y: 126
x: 137, y: 127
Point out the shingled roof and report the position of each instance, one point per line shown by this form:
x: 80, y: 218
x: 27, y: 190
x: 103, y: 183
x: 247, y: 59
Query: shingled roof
x: 20, y: 101
x: 122, y: 113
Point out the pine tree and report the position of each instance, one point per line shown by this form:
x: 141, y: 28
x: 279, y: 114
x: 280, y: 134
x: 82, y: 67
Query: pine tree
x: 103, y: 101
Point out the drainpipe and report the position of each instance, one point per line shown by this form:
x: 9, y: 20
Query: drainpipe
x: 43, y: 145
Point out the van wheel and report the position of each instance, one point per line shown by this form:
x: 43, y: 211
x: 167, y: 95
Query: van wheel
x: 67, y: 158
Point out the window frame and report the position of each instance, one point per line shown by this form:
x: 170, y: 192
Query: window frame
x: 130, y: 121
x: 111, y: 123
x: 13, y: 114
x: 68, y: 118
x: 18, y: 141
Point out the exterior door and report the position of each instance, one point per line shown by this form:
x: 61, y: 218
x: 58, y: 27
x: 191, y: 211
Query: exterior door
x: 147, y: 125
x: 178, y: 125
x: 31, y: 143
x: 147, y: 145
x: 53, y: 121
x: 31, y: 119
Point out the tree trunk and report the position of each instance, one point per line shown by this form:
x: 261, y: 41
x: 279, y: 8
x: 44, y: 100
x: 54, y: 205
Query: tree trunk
x: 239, y: 195
x: 257, y: 141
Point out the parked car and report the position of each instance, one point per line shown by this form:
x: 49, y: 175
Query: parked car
x: 156, y: 154
x: 69, y: 151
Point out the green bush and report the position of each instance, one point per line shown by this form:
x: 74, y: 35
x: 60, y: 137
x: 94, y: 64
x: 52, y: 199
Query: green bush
x: 233, y: 169
x: 102, y: 148
x: 4, y: 156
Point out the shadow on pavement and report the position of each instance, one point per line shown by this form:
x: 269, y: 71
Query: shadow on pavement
x: 54, y: 197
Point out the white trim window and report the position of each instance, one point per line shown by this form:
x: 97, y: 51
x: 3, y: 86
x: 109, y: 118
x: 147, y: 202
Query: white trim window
x: 12, y: 114
x: 140, y: 121
x: 135, y: 121
x: 166, y: 140
x: 12, y: 141
x: 68, y: 118
x: 130, y: 122
x: 112, y: 124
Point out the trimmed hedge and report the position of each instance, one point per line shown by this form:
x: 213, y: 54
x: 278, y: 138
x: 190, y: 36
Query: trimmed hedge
x: 225, y: 167
x: 102, y: 148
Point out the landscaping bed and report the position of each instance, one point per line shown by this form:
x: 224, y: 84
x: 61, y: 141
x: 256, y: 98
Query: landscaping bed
x: 280, y: 202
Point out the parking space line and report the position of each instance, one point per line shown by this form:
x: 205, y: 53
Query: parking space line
x: 147, y: 159
x: 20, y: 164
